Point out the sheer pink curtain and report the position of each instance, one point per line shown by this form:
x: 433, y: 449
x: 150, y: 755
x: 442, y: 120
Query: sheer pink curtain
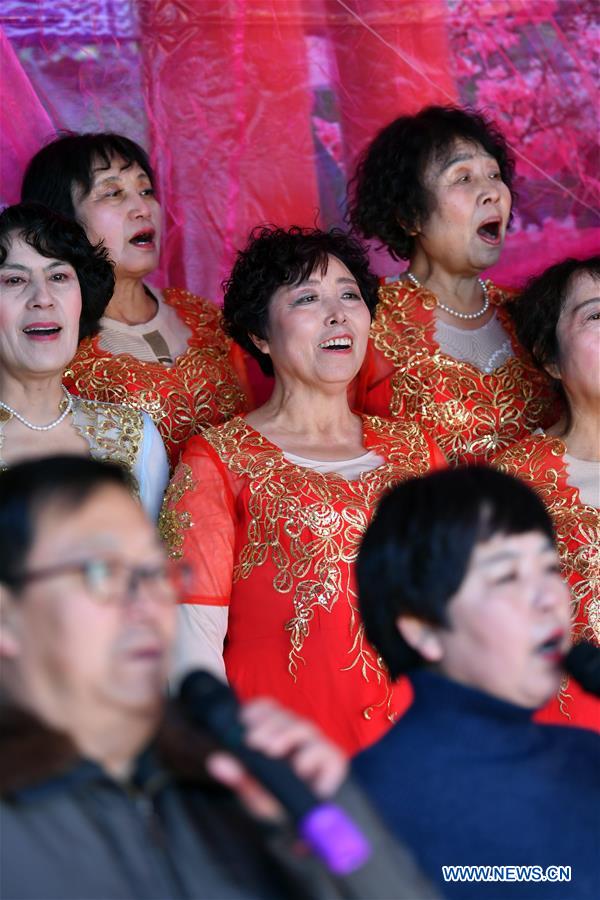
x: 24, y: 123
x: 255, y: 110
x: 230, y: 120
x: 392, y: 58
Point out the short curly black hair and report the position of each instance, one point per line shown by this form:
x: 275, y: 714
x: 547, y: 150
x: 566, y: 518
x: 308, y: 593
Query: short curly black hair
x: 277, y: 256
x: 537, y: 310
x: 68, y: 162
x: 57, y: 237
x: 388, y: 197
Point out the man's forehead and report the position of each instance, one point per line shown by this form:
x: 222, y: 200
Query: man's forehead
x: 76, y: 541
x: 108, y: 521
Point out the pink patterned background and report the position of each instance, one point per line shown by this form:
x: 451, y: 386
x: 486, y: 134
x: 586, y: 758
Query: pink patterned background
x: 255, y: 110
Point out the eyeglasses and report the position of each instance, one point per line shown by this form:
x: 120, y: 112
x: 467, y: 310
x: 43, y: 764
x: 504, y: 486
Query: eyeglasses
x: 113, y: 582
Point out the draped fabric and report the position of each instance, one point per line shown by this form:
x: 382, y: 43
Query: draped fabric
x: 255, y: 110
x: 24, y: 123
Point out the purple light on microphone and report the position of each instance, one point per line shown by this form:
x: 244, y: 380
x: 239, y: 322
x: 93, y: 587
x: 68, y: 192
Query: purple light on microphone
x: 333, y: 837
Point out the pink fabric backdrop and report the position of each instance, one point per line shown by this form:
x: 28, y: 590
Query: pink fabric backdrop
x: 255, y: 110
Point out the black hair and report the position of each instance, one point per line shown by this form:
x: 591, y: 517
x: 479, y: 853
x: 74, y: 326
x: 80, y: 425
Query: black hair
x: 57, y: 237
x: 537, y: 310
x: 277, y: 256
x: 388, y: 197
x: 416, y: 552
x: 66, y: 164
x: 28, y: 488
x: 536, y: 313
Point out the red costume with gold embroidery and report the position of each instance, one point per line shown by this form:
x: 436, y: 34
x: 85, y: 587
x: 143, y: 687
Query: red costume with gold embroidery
x: 539, y: 460
x: 276, y: 543
x: 472, y: 414
x: 206, y: 386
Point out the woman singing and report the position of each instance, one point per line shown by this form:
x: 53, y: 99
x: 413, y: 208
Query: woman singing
x: 558, y: 321
x: 435, y: 188
x: 161, y: 351
x: 54, y: 286
x: 270, y: 508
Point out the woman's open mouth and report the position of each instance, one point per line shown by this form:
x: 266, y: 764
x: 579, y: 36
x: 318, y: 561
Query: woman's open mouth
x: 144, y: 240
x: 491, y: 232
x: 553, y: 648
x: 337, y: 344
x: 42, y: 331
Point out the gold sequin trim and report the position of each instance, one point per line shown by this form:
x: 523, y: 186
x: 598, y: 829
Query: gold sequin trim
x: 309, y: 525
x: 113, y: 433
x: 540, y: 462
x: 472, y: 413
x: 171, y: 523
x: 199, y: 390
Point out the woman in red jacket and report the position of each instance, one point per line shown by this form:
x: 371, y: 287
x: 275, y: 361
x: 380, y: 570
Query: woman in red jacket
x: 160, y: 351
x: 558, y: 320
x: 436, y: 188
x: 269, y: 508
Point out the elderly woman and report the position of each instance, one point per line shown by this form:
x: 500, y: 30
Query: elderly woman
x: 54, y: 286
x: 459, y: 586
x: 558, y: 321
x: 436, y: 188
x: 161, y: 351
x: 270, y: 508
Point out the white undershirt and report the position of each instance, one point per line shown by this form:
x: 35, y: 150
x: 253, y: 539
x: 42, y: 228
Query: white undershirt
x: 162, y: 339
x: 486, y: 348
x: 350, y: 469
x: 584, y: 474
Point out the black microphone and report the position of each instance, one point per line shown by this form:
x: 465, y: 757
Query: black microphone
x: 325, y: 827
x: 583, y: 663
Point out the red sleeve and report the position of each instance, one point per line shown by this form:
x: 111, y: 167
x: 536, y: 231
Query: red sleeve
x: 371, y: 390
x: 198, y: 523
x: 238, y: 360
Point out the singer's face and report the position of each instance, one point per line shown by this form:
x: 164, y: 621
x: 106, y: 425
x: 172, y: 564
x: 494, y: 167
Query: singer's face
x: 78, y: 651
x: 509, y: 622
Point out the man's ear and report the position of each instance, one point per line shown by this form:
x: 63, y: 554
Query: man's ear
x: 421, y: 636
x: 10, y: 644
x: 261, y: 343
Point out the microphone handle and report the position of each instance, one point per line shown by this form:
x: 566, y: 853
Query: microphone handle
x: 277, y: 777
x: 326, y: 828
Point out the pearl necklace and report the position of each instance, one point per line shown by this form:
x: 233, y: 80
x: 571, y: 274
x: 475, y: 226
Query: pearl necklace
x: 454, y: 312
x: 56, y: 422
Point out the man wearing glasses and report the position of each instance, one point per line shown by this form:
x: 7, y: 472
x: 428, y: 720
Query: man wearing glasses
x: 87, y: 626
x: 105, y: 796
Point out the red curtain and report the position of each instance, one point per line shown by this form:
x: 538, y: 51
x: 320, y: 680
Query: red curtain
x: 231, y: 129
x: 255, y: 110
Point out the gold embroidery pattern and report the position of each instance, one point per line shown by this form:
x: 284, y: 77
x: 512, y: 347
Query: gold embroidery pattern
x: 308, y: 526
x: 113, y: 433
x: 472, y: 413
x: 540, y: 462
x: 172, y: 523
x: 200, y: 390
